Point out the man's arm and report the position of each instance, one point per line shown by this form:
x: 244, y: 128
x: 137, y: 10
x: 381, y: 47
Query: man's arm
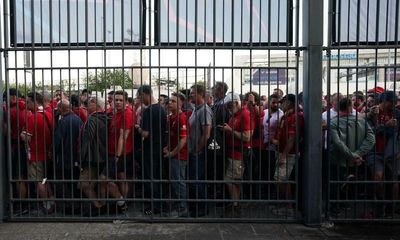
x: 144, y: 129
x: 145, y: 134
x: 177, y: 149
x: 338, y: 144
x: 367, y: 143
x: 27, y: 135
x: 288, y: 148
x: 123, y: 135
x: 245, y: 135
x: 201, y: 143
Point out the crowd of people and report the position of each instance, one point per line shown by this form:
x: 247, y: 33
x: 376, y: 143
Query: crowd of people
x: 177, y: 152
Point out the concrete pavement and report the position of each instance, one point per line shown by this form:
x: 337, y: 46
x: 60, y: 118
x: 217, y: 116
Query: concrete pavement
x: 196, y: 231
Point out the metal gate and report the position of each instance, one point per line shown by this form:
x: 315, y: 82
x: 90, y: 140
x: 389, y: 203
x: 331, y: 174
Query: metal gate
x: 161, y: 110
x: 360, y: 69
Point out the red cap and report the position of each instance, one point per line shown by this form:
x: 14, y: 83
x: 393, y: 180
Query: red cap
x: 376, y: 89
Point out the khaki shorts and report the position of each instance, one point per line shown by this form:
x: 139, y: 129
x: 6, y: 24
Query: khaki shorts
x: 36, y: 170
x: 282, y: 173
x: 234, y: 169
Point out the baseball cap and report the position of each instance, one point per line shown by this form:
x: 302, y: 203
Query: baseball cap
x: 376, y: 89
x: 231, y: 96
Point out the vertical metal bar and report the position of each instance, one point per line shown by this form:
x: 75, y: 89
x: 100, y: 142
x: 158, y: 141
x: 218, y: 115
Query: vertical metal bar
x: 205, y: 22
x: 168, y: 23
x: 177, y: 28
x: 348, y: 22
x: 232, y: 28
x: 312, y: 40
x: 331, y: 15
x: 3, y: 160
x: 269, y: 23
x: 367, y: 23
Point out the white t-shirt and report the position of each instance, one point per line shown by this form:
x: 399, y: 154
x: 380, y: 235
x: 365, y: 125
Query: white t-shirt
x: 333, y: 114
x: 270, y: 123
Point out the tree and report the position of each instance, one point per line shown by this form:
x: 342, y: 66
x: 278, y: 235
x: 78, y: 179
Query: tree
x: 166, y: 83
x: 22, y: 88
x: 103, y: 80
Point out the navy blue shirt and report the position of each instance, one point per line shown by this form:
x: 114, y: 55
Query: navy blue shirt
x: 66, y: 138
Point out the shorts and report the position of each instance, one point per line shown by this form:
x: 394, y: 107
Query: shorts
x: 36, y: 170
x: 123, y: 165
x: 377, y: 163
x: 19, y: 163
x: 283, y: 172
x: 234, y: 169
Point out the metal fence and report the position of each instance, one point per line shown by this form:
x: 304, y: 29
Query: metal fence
x: 173, y: 110
x: 361, y: 63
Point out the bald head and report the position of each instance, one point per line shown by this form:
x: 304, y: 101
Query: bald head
x: 64, y: 106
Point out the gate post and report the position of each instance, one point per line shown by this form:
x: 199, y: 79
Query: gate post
x: 2, y: 149
x: 3, y: 181
x: 312, y: 86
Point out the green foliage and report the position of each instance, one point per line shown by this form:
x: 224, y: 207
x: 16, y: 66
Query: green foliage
x: 22, y: 88
x: 103, y: 80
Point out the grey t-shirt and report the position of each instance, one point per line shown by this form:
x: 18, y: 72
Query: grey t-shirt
x: 201, y: 116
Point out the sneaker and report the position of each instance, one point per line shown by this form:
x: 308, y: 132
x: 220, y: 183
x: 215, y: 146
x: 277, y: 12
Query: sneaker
x: 149, y: 212
x: 123, y: 208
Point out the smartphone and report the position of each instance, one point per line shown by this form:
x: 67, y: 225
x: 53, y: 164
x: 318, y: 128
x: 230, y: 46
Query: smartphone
x: 26, y: 133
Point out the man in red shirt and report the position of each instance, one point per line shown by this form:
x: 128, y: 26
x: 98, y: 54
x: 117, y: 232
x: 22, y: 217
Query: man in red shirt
x: 120, y: 147
x: 18, y: 115
x: 358, y: 100
x: 79, y: 110
x: 384, y: 120
x: 238, y: 136
x: 285, y: 138
x: 38, y: 136
x: 177, y: 150
x: 47, y: 104
x: 252, y: 169
x: 110, y: 99
x: 58, y: 96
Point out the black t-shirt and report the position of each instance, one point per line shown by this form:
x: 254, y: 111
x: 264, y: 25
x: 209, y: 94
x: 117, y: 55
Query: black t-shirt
x: 154, y: 121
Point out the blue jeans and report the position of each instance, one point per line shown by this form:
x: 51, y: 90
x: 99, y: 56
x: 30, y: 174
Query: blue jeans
x: 152, y: 190
x: 178, y: 173
x: 197, y: 189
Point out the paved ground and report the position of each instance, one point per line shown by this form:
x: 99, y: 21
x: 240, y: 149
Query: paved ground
x: 226, y: 231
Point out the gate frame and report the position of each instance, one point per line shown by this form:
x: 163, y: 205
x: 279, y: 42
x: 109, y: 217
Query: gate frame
x: 312, y: 72
x: 312, y: 88
x: 3, y: 180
